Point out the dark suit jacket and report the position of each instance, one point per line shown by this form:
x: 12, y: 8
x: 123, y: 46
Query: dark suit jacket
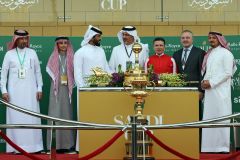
x: 193, y: 66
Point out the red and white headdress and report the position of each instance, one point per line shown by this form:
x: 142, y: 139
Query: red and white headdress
x: 53, y: 65
x: 18, y: 34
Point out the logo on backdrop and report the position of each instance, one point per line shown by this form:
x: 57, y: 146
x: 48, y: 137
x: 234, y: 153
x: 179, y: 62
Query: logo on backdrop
x: 208, y: 4
x: 237, y: 61
x: 236, y: 82
x: 37, y: 47
x: 171, y: 48
x: 107, y: 49
x: 14, y: 4
x: 204, y: 46
x: 236, y: 100
x: 234, y: 46
x: 113, y: 4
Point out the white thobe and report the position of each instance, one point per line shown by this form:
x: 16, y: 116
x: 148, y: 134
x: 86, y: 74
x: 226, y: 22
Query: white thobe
x: 217, y: 102
x: 87, y: 58
x: 121, y: 56
x: 22, y: 92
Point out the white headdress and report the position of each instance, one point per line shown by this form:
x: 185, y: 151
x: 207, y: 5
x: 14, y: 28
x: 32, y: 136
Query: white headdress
x: 131, y: 31
x: 90, y: 33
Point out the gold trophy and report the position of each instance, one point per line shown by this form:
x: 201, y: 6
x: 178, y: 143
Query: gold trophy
x: 137, y: 79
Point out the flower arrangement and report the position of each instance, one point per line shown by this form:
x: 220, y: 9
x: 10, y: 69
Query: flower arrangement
x: 117, y: 78
x: 102, y: 78
x: 99, y: 78
x: 171, y: 80
x: 166, y: 79
x: 152, y: 76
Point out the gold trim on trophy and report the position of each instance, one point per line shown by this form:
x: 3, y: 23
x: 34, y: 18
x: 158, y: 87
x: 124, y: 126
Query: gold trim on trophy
x: 137, y: 79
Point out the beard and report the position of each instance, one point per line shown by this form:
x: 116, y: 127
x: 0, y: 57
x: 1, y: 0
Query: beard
x: 98, y: 44
x: 22, y: 45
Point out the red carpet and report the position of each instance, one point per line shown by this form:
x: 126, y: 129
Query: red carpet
x: 75, y: 157
x: 43, y: 156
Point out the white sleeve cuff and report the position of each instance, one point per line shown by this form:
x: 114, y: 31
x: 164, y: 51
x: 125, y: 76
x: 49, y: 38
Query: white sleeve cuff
x: 39, y: 89
x: 4, y: 90
x: 211, y: 84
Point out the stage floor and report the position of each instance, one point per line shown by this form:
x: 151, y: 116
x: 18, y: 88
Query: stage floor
x: 4, y: 156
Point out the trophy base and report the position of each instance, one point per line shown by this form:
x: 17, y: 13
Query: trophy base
x: 139, y: 158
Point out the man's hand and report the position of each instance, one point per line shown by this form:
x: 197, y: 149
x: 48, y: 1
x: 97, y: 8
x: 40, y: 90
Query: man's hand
x: 201, y: 95
x: 39, y: 96
x: 5, y: 96
x: 205, y: 84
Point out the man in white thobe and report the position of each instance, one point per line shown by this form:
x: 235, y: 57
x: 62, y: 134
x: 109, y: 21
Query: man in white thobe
x: 123, y: 54
x: 218, y: 67
x: 89, y: 56
x: 22, y: 86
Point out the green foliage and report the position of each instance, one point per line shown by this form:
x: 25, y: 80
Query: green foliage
x: 172, y: 80
x: 103, y: 80
x: 99, y: 78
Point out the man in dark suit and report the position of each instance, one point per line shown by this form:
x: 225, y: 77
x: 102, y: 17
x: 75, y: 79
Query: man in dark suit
x: 189, y: 61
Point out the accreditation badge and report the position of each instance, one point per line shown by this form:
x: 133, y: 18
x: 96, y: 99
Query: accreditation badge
x: 128, y: 65
x: 21, y: 73
x: 64, y: 79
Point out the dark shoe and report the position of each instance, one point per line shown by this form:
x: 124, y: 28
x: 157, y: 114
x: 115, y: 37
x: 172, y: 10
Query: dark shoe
x: 223, y: 153
x: 61, y: 151
x: 38, y: 152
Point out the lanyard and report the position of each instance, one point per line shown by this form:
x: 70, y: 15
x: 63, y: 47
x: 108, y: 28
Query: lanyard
x: 21, y: 61
x: 129, y: 55
x: 62, y: 65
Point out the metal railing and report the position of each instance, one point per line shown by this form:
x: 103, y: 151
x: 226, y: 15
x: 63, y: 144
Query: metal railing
x: 197, y: 124
x: 77, y: 125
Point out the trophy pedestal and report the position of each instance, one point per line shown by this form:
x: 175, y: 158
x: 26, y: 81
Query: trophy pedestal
x: 144, y: 144
x: 138, y: 145
x: 140, y: 150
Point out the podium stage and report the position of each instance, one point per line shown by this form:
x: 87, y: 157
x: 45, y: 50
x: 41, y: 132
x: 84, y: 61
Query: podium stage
x: 163, y: 106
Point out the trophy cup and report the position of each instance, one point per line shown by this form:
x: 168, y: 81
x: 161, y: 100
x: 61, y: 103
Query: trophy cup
x: 137, y: 79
